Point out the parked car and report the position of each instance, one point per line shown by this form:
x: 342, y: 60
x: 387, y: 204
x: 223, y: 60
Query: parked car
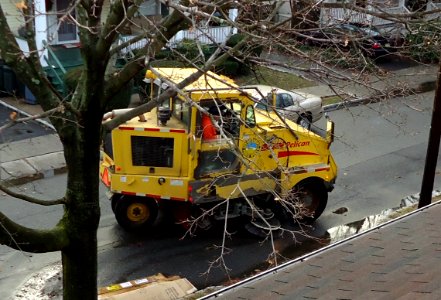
x: 302, y: 108
x: 365, y: 37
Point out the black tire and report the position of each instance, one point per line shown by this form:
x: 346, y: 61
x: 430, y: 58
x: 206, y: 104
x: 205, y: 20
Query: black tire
x: 305, y: 121
x: 309, y: 200
x: 135, y: 213
x: 114, y: 200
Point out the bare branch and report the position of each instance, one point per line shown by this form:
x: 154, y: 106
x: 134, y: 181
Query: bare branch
x: 14, y: 120
x: 31, y: 240
x: 29, y: 199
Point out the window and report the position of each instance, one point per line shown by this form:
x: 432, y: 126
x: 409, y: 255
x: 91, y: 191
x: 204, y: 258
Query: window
x: 182, y: 111
x: 250, y: 118
x: 66, y: 28
x: 263, y: 103
x: 107, y: 145
x: 284, y: 100
x: 148, y: 8
x: 221, y: 160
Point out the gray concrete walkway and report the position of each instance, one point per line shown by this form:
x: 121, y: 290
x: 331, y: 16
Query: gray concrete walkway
x: 400, y: 259
x: 30, y: 159
x: 354, y: 85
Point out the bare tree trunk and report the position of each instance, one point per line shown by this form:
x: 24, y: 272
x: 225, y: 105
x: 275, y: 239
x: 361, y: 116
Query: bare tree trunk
x: 80, y: 267
x: 82, y: 212
x: 432, y: 148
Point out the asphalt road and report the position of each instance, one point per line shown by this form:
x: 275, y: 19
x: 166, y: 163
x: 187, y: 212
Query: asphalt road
x: 19, y: 131
x: 380, y: 150
x: 394, y: 62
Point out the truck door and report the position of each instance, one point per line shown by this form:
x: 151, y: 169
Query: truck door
x: 218, y: 156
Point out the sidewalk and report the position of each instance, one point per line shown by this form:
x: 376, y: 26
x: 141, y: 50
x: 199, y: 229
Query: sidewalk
x: 414, y: 79
x: 30, y: 159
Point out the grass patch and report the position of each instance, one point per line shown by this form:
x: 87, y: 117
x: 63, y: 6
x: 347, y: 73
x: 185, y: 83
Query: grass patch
x: 273, y: 77
x: 165, y: 63
x: 408, y: 209
x: 402, y: 211
x: 334, y: 99
x: 262, y: 75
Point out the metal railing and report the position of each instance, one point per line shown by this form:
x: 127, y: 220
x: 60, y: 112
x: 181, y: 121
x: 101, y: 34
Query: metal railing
x: 206, y: 35
x: 53, y: 68
x: 330, y: 15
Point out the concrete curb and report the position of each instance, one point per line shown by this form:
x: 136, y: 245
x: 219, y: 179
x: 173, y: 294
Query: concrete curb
x: 25, y: 170
x: 424, y: 87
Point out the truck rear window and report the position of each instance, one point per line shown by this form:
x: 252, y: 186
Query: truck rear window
x: 107, y: 145
x: 152, y: 151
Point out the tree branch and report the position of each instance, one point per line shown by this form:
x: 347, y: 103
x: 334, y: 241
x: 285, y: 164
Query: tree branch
x: 29, y: 199
x: 13, y: 121
x: 169, y: 26
x: 31, y: 240
x: 171, y: 92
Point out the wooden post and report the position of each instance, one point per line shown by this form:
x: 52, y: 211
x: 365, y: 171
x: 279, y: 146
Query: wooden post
x: 432, y: 147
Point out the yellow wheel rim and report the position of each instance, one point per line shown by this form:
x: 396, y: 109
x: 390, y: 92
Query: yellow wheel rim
x: 138, y: 212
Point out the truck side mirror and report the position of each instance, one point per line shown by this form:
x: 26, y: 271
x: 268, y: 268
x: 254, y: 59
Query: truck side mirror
x: 330, y: 131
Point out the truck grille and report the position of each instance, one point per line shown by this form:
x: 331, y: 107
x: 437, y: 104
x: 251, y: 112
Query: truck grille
x: 152, y: 151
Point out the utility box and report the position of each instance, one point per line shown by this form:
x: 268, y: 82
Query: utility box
x: 2, y: 86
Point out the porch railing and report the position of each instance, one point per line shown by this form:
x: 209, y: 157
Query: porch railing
x: 331, y: 15
x: 208, y: 35
x: 59, y: 65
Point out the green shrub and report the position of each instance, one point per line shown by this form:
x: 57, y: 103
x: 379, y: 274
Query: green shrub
x: 235, y: 39
x: 424, y: 41
x: 164, y: 54
x: 190, y: 49
x: 240, y: 63
x: 229, y: 68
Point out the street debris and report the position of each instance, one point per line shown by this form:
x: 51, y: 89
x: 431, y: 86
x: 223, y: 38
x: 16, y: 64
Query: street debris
x: 157, y: 287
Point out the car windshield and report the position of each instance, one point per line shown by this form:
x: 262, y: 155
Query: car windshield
x: 370, y: 31
x: 262, y: 103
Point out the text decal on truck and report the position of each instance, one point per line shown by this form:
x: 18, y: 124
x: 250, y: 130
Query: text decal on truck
x: 283, y: 145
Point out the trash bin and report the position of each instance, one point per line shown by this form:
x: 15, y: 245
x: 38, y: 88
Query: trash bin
x: 29, y: 97
x: 19, y: 88
x: 9, y: 80
x: 2, y: 85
